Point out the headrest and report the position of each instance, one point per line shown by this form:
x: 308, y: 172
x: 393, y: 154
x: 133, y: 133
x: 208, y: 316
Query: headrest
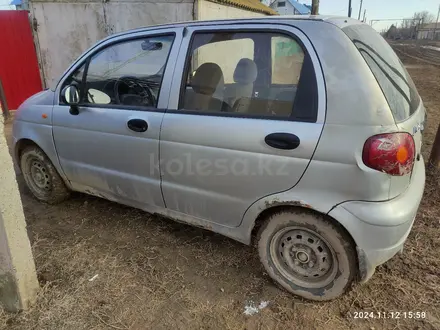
x: 245, y: 72
x: 206, y: 78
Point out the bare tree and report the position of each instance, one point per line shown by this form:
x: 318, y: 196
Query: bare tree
x: 406, y: 24
x: 424, y: 17
x: 408, y: 28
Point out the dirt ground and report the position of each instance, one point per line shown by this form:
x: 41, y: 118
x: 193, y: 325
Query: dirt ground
x: 425, y: 51
x: 151, y: 273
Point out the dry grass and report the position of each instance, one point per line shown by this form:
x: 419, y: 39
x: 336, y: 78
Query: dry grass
x: 157, y: 274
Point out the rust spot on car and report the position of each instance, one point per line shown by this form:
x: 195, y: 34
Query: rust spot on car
x: 277, y: 202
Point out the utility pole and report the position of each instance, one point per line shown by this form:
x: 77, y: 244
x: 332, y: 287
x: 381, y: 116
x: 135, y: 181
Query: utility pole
x: 360, y: 10
x: 3, y: 103
x: 349, y: 8
x: 315, y: 7
x: 436, y: 24
x: 434, y: 159
x: 365, y: 16
x: 417, y: 28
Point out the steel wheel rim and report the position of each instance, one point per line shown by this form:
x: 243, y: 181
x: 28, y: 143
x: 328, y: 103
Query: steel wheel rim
x: 38, y: 176
x: 304, y: 257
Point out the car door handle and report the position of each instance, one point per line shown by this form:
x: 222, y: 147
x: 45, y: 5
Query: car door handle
x: 137, y: 125
x: 285, y: 141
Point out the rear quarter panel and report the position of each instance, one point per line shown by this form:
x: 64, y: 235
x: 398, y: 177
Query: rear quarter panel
x: 356, y: 110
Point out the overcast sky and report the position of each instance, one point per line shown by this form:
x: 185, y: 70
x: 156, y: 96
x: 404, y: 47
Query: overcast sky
x: 4, y: 4
x: 378, y: 9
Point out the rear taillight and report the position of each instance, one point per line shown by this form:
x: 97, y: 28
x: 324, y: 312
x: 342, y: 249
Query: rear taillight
x: 391, y: 153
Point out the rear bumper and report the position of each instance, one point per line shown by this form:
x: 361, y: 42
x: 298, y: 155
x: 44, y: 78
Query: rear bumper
x: 380, y: 229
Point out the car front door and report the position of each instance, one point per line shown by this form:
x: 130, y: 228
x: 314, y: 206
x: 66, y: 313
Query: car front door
x: 110, y: 146
x: 245, y: 115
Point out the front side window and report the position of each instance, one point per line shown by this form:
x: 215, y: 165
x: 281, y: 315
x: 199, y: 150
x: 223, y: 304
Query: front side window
x: 248, y: 74
x: 281, y: 4
x: 129, y: 73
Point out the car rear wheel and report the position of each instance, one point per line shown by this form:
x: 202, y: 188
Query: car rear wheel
x: 307, y: 254
x: 41, y: 176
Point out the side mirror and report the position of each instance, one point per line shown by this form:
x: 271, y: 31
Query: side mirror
x: 70, y: 95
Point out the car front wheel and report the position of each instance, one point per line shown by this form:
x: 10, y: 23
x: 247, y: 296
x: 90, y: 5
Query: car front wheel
x: 307, y: 254
x: 41, y: 176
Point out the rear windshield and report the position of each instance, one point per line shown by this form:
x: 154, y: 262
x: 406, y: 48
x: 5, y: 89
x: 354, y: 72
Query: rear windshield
x: 396, y: 83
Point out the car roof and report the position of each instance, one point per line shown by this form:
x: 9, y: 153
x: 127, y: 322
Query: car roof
x: 338, y: 21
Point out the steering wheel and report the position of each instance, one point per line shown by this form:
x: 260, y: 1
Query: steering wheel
x: 138, y: 92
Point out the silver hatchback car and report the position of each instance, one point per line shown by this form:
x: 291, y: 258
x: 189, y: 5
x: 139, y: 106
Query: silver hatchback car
x: 306, y: 132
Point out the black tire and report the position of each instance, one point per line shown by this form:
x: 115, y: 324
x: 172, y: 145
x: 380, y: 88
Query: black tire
x: 41, y: 177
x: 295, y: 247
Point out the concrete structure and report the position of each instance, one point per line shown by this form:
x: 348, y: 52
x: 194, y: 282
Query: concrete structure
x: 18, y: 279
x: 65, y: 29
x: 426, y: 31
x: 290, y: 7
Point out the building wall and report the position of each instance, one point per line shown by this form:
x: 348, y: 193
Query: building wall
x: 288, y: 9
x: 423, y: 35
x: 66, y: 28
x: 428, y: 34
x: 209, y: 10
x: 18, y: 60
x: 61, y: 38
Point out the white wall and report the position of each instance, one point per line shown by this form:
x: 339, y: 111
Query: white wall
x: 210, y: 10
x: 66, y: 30
x: 225, y: 54
x: 428, y: 34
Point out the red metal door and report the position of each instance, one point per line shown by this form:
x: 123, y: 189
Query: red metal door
x: 18, y: 60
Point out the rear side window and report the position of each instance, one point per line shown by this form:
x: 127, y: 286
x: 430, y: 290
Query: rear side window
x: 249, y: 74
x: 394, y: 80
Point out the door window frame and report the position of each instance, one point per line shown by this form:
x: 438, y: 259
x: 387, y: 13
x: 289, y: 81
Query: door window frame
x: 181, y: 70
x: 164, y: 90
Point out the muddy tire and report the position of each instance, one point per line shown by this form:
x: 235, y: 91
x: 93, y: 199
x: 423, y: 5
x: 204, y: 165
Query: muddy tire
x: 41, y: 177
x: 307, y: 255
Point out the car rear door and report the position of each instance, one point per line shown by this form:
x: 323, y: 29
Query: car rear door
x: 111, y: 147
x: 219, y: 158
